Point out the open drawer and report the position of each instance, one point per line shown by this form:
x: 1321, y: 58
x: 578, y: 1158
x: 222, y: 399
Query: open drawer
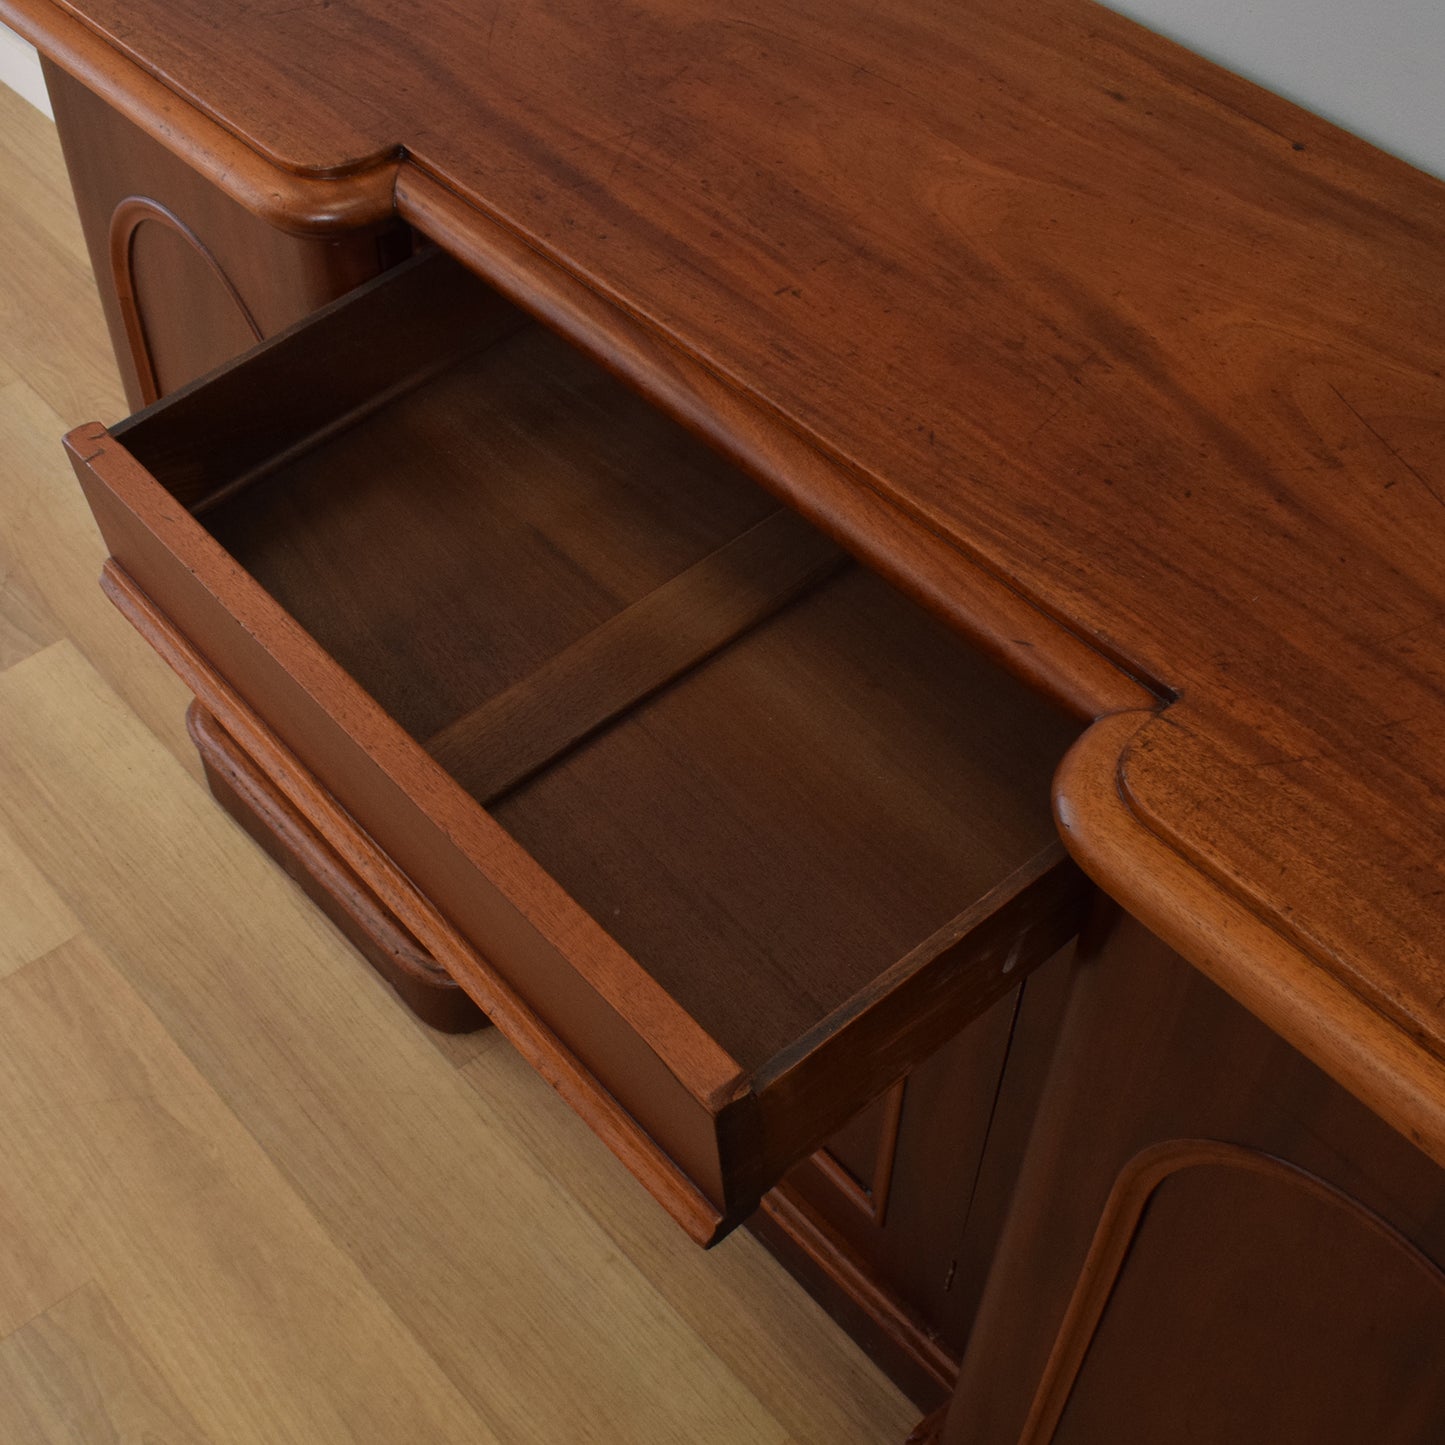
x: 722, y: 830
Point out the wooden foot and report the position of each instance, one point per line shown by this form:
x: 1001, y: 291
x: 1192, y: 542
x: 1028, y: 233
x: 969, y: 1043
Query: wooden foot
x: 929, y: 1430
x: 260, y: 808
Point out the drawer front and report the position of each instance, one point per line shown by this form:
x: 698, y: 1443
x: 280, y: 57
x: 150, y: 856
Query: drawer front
x: 926, y: 885
x: 254, y: 691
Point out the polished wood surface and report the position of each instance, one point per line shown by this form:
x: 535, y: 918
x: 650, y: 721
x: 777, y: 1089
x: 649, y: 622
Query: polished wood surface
x: 189, y: 276
x: 535, y: 1037
x: 254, y: 801
x: 880, y: 1225
x: 1173, y: 489
x: 637, y: 652
x: 1158, y: 1320
x: 244, y: 1196
x: 1207, y: 1235
x: 758, y: 894
x: 875, y: 1226
x: 1146, y: 346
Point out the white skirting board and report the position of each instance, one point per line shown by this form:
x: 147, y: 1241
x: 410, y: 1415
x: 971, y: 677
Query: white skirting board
x: 20, y: 70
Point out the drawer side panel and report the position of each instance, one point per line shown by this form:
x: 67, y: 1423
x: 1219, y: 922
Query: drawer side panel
x: 424, y: 835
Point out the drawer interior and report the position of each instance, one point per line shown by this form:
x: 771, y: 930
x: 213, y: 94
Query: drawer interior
x: 773, y: 779
x: 765, y: 833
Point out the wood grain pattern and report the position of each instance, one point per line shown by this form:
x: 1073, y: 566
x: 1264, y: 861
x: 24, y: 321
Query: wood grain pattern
x: 318, y: 377
x: 766, y: 1123
x: 913, y: 1257
x: 36, y: 183
x: 1144, y: 1326
x: 855, y: 1295
x: 47, y: 540
x: 277, y: 825
x: 838, y: 797
x: 1151, y: 1056
x: 56, y: 370
x: 76, y: 1375
x: 187, y: 276
x: 37, y: 1271
x: 1302, y: 1000
x: 772, y: 1340
x: 340, y: 203
x: 381, y: 1106
x: 847, y: 799
x: 45, y: 345
x: 301, y: 686
x: 528, y: 1031
x: 635, y: 653
x: 105, y: 1118
x: 150, y: 244
x: 343, y: 1091
x: 932, y: 1253
x: 36, y: 917
x: 1198, y: 382
x: 920, y: 563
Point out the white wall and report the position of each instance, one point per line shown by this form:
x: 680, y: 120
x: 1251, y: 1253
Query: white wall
x: 20, y: 69
x: 1376, y: 67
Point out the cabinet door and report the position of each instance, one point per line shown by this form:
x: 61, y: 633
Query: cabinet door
x: 887, y: 1225
x: 1232, y: 1294
x: 1210, y: 1240
x: 188, y: 278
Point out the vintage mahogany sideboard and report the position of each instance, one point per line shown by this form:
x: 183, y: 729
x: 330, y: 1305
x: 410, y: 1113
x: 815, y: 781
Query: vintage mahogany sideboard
x: 673, y: 496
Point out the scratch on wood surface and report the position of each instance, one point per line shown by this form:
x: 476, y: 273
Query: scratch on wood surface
x: 1419, y: 477
x: 624, y: 152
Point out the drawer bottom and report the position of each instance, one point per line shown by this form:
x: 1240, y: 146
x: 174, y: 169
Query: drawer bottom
x: 238, y: 784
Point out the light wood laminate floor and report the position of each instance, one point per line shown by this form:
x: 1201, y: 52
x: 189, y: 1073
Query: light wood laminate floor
x: 243, y: 1195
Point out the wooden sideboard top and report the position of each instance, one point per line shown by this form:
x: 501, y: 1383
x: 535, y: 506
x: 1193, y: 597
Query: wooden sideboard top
x: 1150, y: 357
